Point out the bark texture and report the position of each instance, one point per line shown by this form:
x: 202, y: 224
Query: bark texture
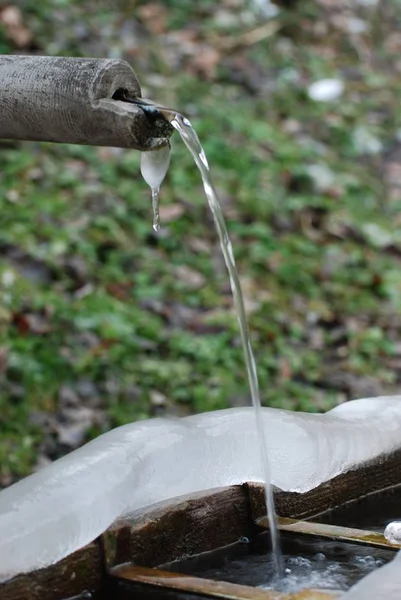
x: 62, y: 99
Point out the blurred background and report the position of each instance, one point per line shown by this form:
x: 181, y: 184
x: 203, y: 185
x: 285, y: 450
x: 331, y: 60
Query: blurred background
x: 103, y: 322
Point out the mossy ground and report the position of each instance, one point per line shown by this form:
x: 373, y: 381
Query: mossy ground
x: 98, y: 313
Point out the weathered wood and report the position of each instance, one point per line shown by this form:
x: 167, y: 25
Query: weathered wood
x: 345, y: 488
x: 168, y: 580
x: 202, y: 522
x: 373, y: 510
x: 210, y: 588
x: 63, y: 99
x: 77, y: 573
x: 185, y: 583
x: 332, y: 532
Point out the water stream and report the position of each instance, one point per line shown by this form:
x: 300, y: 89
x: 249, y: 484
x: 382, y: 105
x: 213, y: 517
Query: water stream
x: 191, y: 140
x: 154, y: 165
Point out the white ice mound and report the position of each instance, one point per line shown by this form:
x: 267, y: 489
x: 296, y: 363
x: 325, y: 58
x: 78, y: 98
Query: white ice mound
x: 392, y: 533
x: 382, y: 584
x: 59, y: 509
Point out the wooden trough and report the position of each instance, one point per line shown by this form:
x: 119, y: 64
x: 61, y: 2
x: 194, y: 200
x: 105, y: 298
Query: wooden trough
x: 154, y: 553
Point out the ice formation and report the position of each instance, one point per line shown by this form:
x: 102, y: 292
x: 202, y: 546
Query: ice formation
x: 154, y: 166
x: 393, y: 532
x: 384, y: 583
x: 64, y: 506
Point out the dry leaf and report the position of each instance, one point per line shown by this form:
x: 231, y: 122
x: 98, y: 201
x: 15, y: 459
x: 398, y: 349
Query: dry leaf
x: 171, y: 212
x: 192, y: 278
x: 12, y: 20
x: 154, y: 15
x: 205, y: 62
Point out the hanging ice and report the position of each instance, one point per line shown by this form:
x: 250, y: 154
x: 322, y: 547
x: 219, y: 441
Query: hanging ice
x: 154, y: 166
x: 59, y: 509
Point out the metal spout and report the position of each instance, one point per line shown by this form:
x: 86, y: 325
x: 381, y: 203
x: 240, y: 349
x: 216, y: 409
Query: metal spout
x: 76, y: 101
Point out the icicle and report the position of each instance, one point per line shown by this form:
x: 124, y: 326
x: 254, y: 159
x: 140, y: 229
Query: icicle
x: 154, y: 166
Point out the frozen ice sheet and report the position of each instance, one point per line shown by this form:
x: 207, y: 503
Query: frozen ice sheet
x: 59, y: 509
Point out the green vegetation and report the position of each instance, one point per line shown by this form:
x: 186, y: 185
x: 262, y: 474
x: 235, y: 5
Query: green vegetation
x: 135, y: 324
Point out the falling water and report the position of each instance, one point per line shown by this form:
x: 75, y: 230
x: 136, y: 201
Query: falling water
x: 191, y: 140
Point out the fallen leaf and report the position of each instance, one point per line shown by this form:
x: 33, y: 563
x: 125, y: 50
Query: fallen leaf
x: 285, y: 369
x: 13, y: 24
x: 205, y: 62
x: 192, y: 278
x: 154, y: 15
x: 3, y: 360
x: 35, y: 323
x: 122, y: 291
x: 171, y: 212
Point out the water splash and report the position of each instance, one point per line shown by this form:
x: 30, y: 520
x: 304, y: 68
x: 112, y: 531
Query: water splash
x: 191, y: 140
x: 154, y: 166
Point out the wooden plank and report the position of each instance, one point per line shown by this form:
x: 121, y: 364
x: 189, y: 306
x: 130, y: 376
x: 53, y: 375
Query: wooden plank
x: 332, y: 532
x: 79, y: 572
x: 195, y: 524
x: 207, y: 587
x: 381, y: 474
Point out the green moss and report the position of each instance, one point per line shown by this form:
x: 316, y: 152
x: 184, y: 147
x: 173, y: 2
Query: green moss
x: 88, y: 290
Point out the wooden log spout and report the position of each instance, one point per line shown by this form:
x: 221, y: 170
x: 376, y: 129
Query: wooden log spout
x: 70, y: 100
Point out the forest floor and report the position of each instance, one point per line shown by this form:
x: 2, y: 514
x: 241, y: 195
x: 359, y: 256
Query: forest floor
x: 102, y: 321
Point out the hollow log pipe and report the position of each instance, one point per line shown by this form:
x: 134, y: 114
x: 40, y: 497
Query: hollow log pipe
x: 75, y: 101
